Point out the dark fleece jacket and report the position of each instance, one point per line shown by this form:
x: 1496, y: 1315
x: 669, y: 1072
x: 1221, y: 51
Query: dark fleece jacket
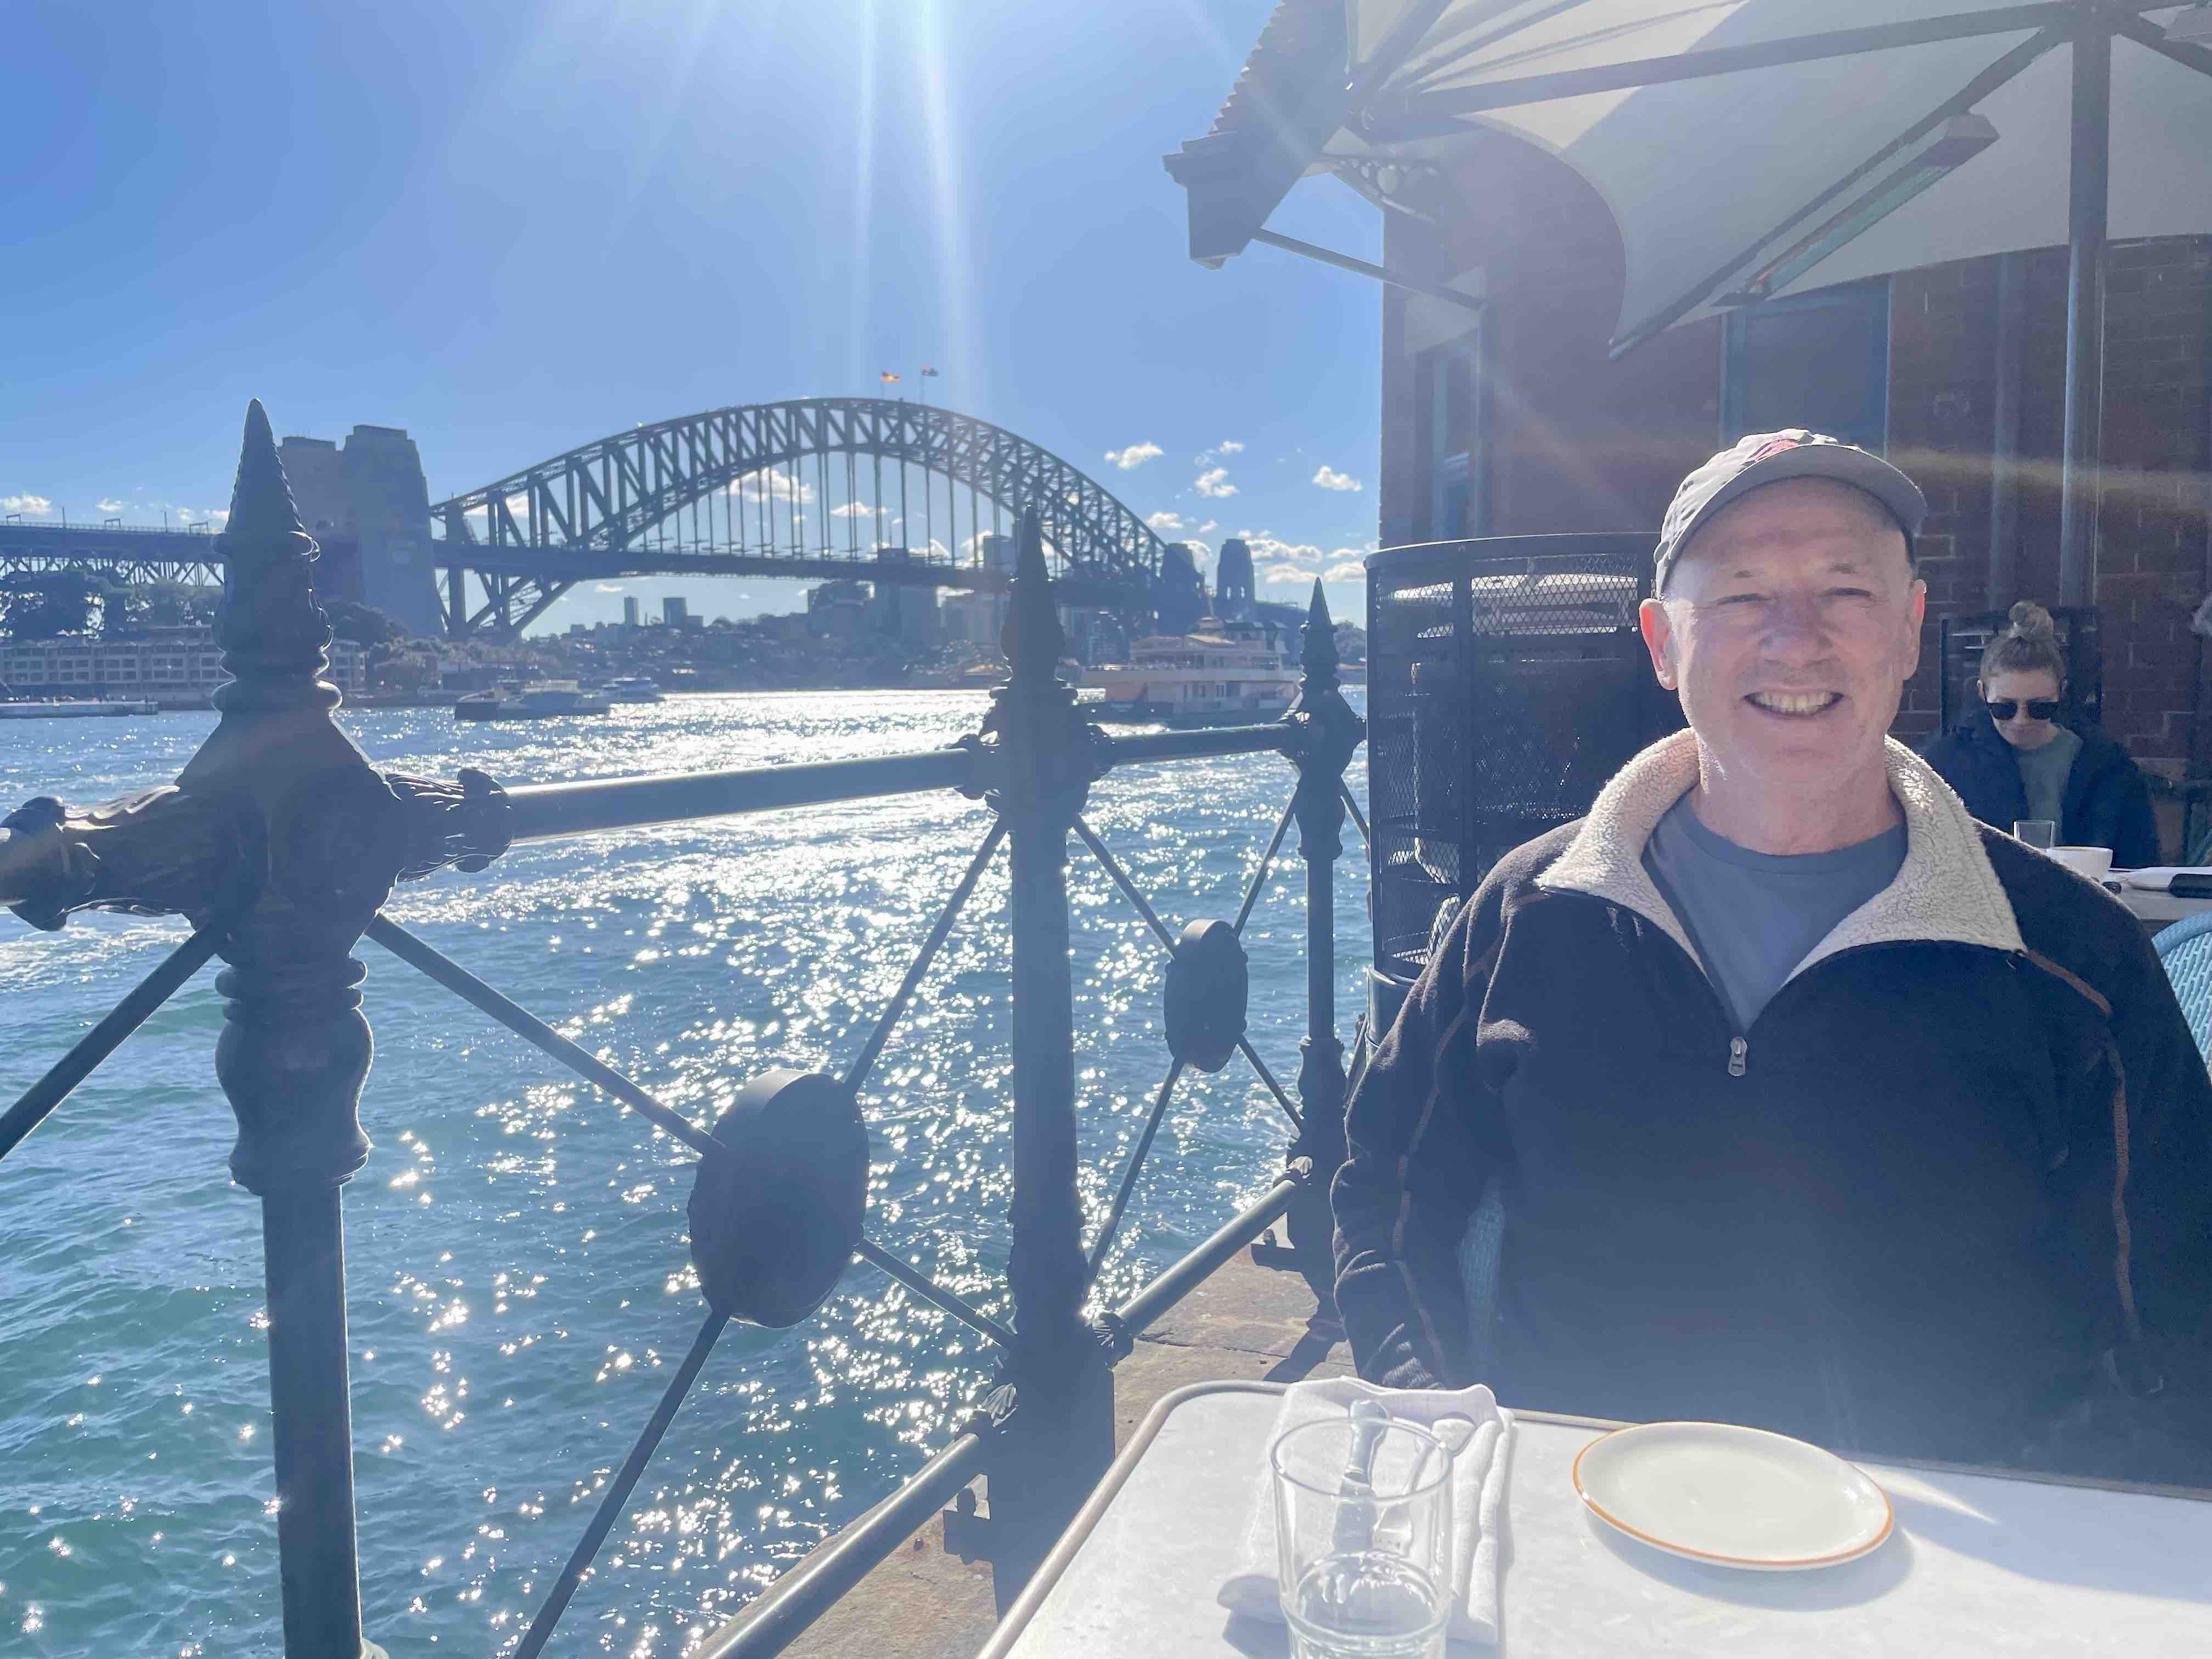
x: 1963, y: 1156
x: 2107, y: 802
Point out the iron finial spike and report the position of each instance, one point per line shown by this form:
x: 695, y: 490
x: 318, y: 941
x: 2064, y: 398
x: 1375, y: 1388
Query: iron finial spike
x: 1318, y: 656
x: 1032, y: 637
x: 261, y: 499
x: 272, y: 633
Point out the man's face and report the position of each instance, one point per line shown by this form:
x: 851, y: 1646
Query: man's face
x: 1788, y: 626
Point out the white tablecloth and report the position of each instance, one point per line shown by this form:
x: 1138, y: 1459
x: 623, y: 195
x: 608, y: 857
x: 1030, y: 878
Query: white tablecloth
x: 1979, y: 1565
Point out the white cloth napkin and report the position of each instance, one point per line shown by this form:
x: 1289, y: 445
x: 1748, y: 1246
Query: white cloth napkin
x: 1478, y: 1498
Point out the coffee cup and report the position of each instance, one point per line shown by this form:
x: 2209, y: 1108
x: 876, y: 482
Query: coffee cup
x: 2095, y: 862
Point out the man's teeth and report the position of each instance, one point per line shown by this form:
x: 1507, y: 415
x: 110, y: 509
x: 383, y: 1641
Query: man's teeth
x: 1794, y: 702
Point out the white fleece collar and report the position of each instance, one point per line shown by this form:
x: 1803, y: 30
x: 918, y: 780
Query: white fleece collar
x: 1946, y: 891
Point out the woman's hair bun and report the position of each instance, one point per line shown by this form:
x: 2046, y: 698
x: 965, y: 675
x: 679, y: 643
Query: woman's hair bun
x: 2031, y: 620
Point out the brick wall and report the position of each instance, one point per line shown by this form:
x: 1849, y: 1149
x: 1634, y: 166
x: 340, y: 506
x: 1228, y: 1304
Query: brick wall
x: 1584, y: 443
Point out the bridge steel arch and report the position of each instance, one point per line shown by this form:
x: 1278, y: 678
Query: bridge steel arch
x: 587, y: 514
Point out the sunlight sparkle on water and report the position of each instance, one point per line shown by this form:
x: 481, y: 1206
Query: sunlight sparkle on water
x: 555, y: 1249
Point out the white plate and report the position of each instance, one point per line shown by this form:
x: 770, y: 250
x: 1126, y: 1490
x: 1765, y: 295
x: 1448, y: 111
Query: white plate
x: 1741, y: 1498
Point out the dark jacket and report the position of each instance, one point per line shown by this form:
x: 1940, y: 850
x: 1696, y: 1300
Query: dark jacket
x: 2107, y: 802
x: 1963, y: 1155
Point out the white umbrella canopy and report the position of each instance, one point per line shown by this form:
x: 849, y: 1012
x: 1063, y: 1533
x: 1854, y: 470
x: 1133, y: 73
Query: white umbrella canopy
x: 1702, y: 175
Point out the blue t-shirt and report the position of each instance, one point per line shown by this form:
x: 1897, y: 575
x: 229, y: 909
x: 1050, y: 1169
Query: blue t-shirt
x: 1754, y: 916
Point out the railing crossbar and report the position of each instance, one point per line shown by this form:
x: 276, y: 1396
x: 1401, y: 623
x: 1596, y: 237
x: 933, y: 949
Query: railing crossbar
x: 1113, y: 867
x: 415, y: 953
x: 618, y: 1494
x: 1106, y: 1229
x: 104, y: 1038
x: 1266, y: 863
x: 857, y: 1073
x: 1244, y: 1045
x: 934, y: 1293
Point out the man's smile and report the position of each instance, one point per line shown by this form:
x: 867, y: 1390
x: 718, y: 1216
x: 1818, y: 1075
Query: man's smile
x: 1796, y: 705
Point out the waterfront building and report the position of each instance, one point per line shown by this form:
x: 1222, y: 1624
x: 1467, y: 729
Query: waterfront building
x: 1564, y: 337
x: 836, y: 609
x: 178, y: 667
x: 675, y: 612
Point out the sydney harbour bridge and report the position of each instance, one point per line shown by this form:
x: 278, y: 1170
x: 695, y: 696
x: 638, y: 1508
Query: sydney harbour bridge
x: 869, y: 489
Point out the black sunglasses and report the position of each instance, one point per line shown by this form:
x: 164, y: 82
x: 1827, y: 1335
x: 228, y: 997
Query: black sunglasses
x: 2040, y: 708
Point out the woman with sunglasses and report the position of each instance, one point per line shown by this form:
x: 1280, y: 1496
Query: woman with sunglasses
x: 2013, y: 760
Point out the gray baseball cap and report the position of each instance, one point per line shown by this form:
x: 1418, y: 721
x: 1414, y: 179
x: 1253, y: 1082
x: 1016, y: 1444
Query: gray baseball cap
x: 1766, y: 458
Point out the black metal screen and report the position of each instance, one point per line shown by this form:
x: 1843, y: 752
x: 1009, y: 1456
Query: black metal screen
x: 1961, y: 639
x: 1506, y: 682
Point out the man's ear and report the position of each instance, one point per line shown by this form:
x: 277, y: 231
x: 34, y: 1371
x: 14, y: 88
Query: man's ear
x: 1658, y: 631
x: 1919, y: 606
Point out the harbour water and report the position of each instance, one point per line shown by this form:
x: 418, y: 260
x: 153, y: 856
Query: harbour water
x: 520, y: 1287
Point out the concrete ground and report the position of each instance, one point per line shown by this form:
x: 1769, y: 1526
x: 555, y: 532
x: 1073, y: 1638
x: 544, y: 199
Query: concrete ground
x: 1248, y: 1321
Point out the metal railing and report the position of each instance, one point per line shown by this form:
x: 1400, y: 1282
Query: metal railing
x: 280, y: 844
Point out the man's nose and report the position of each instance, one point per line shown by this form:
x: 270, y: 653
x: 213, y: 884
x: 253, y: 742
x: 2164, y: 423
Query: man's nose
x: 1795, y: 629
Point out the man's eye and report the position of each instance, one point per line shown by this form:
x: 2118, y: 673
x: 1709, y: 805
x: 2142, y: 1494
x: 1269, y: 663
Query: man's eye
x: 1740, y: 599
x: 1850, y: 593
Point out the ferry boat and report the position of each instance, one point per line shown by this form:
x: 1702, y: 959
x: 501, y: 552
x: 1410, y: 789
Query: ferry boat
x: 633, y: 688
x: 539, y: 700
x: 74, y: 708
x: 1224, y: 674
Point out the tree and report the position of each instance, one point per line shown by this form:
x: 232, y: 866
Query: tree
x: 161, y: 605
x: 44, y: 605
x: 364, y: 624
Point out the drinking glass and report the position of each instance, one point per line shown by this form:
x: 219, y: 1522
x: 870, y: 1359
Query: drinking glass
x: 1362, y: 1538
x: 2035, y: 832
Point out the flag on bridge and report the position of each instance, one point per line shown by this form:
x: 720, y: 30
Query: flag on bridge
x: 888, y: 378
x: 930, y: 374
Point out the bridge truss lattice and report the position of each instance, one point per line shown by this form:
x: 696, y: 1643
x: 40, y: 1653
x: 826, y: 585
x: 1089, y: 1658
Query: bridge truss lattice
x: 859, y: 487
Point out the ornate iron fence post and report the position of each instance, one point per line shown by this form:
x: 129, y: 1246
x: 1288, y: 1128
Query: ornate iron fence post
x: 294, y: 1049
x: 279, y: 841
x: 1039, y: 758
x: 1328, y: 733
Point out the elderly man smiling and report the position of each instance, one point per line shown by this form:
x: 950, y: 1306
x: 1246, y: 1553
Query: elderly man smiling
x: 1805, y: 1101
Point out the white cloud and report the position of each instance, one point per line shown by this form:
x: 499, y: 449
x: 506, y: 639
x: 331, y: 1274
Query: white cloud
x: 1211, y: 524
x: 1285, y: 575
x: 852, y: 510
x: 31, y: 507
x: 111, y: 507
x: 1229, y: 447
x: 1329, y: 478
x: 1215, y: 483
x: 218, y: 517
x: 1265, y: 546
x: 1350, y: 571
x: 1134, y: 456
x: 773, y: 486
x: 1168, y: 521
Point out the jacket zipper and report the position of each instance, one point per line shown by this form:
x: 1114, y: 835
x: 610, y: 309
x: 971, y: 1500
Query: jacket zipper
x: 1739, y: 1050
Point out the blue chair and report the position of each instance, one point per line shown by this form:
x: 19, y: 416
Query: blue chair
x: 2184, y: 950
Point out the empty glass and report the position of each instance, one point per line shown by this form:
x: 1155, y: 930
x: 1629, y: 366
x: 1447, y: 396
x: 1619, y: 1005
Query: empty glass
x: 1362, y: 1535
x: 2035, y: 832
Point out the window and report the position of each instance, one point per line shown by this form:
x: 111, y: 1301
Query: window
x: 1815, y: 360
x: 1454, y: 416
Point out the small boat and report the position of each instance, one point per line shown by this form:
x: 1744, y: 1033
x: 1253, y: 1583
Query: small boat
x: 539, y: 700
x: 1224, y: 674
x: 73, y: 708
x: 633, y: 688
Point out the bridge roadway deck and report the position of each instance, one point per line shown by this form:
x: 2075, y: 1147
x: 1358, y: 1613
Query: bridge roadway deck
x: 933, y: 1600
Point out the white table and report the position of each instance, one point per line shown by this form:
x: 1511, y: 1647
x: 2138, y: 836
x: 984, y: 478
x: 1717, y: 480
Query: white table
x: 1979, y: 1565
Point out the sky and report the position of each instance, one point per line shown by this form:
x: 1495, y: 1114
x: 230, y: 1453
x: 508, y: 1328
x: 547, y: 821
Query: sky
x: 512, y: 226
